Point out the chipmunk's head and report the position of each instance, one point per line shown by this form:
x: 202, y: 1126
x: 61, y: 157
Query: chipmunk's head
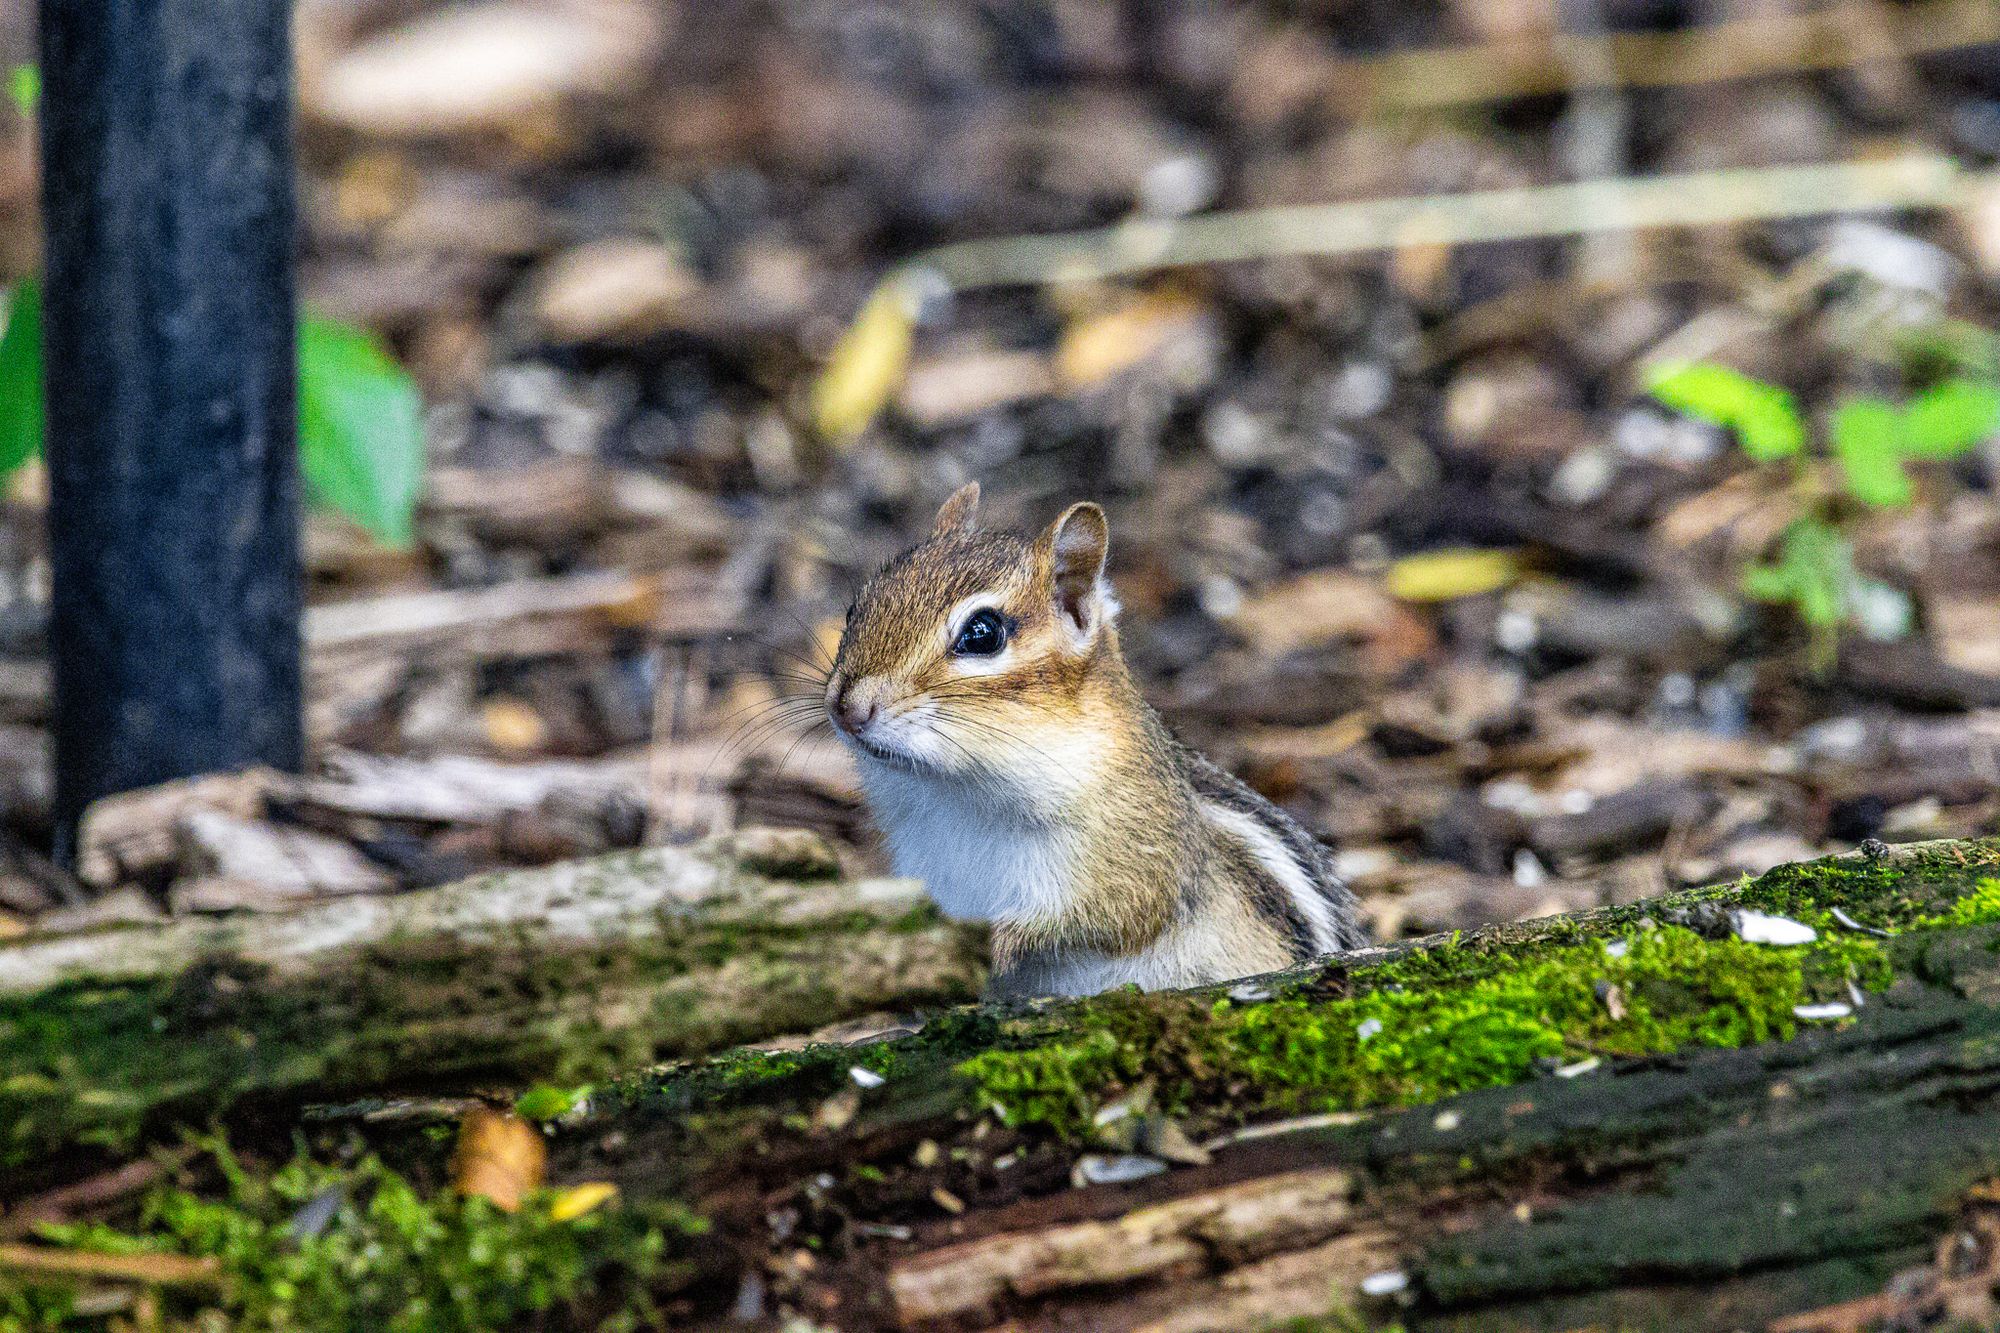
x: 972, y: 652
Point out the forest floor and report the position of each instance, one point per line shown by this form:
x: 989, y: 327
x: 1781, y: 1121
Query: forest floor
x: 617, y: 278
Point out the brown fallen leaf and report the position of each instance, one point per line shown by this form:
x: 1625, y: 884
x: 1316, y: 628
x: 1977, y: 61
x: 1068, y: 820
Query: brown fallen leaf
x: 500, y: 1157
x: 1312, y: 610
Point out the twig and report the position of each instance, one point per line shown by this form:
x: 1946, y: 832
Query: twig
x: 1695, y: 199
x: 1742, y: 49
x: 162, y: 1269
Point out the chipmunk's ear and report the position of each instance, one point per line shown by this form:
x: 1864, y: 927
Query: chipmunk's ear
x: 957, y: 513
x: 1077, y: 544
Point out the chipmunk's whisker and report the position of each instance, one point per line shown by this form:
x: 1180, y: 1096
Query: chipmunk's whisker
x: 768, y: 719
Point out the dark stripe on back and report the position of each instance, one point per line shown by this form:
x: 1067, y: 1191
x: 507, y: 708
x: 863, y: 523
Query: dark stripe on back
x: 1313, y: 858
x: 1275, y: 903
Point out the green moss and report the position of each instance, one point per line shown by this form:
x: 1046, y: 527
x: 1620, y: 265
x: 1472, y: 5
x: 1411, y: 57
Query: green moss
x: 1899, y: 891
x: 1978, y: 908
x: 383, y: 1258
x: 1462, y: 1014
x: 1442, y: 1021
x: 1453, y: 1014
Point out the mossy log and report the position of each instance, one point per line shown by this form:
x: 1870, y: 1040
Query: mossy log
x: 563, y: 972
x: 1633, y: 1118
x: 1645, y: 1117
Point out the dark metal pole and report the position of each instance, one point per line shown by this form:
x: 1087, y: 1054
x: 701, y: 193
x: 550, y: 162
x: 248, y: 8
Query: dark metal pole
x: 168, y: 338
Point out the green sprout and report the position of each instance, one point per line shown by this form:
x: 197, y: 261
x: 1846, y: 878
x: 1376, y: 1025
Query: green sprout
x: 1872, y: 442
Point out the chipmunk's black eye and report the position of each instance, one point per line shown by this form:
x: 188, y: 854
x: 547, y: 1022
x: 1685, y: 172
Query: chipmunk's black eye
x: 983, y: 634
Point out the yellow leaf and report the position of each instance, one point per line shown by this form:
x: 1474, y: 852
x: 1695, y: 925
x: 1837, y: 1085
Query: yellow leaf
x: 574, y: 1202
x: 500, y: 1157
x: 1439, y: 576
x: 868, y: 362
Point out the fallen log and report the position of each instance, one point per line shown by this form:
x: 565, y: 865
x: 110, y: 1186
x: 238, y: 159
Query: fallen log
x: 568, y: 971
x: 1641, y: 1117
x: 1769, y: 1104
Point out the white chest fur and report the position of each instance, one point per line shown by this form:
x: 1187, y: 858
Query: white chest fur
x: 980, y: 857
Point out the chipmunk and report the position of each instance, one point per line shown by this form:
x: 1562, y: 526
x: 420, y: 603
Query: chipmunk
x: 1015, y: 769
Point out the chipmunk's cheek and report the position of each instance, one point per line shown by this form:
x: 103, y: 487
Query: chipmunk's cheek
x: 911, y: 728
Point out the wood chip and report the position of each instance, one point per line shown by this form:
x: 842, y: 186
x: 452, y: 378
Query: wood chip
x: 289, y: 864
x: 131, y: 834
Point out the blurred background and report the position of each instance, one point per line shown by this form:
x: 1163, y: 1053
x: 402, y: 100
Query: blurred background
x: 1532, y: 573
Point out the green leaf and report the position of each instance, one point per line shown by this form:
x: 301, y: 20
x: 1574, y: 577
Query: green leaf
x: 361, y: 438
x: 1867, y: 438
x: 24, y: 85
x: 1813, y: 573
x: 546, y: 1101
x: 1767, y: 583
x: 1763, y: 416
x: 1951, y: 418
x: 21, y: 377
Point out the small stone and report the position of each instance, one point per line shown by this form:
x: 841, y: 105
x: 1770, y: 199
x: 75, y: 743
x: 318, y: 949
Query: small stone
x: 1097, y: 1169
x: 1360, y: 390
x: 1612, y: 999
x: 1529, y: 873
x: 1584, y: 476
x: 1387, y: 1283
x: 1874, y: 848
x: 1447, y: 1121
x: 1176, y: 186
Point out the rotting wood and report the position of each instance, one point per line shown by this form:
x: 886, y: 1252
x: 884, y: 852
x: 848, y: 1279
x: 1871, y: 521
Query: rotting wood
x: 570, y: 970
x: 1234, y: 1222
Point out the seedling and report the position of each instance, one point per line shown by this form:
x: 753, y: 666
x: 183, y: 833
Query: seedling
x: 1872, y: 442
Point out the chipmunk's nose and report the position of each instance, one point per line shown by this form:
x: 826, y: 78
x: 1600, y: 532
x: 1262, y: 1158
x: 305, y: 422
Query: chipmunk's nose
x: 852, y: 709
